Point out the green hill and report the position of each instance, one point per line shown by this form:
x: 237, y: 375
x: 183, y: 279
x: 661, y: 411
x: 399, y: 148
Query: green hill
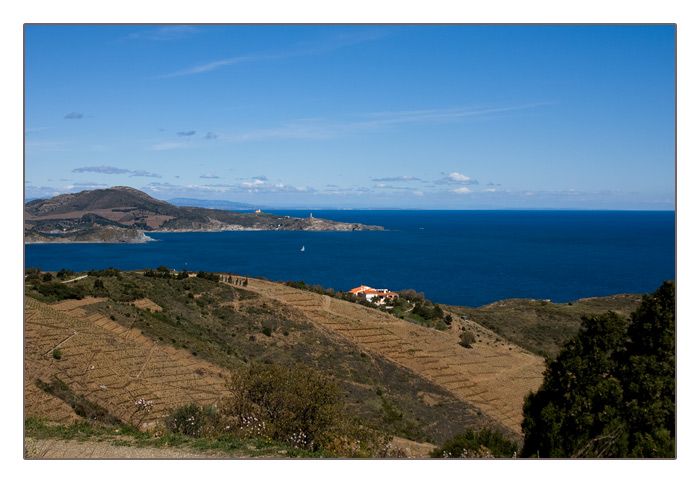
x: 541, y: 326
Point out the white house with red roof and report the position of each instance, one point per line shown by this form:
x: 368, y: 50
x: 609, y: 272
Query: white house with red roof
x: 369, y: 293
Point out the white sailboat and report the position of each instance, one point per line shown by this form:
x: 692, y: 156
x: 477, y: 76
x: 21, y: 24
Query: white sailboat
x: 303, y: 248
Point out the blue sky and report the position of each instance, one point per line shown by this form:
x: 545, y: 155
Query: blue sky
x: 356, y: 116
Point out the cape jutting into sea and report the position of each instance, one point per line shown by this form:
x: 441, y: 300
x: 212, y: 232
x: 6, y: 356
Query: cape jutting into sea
x: 467, y: 258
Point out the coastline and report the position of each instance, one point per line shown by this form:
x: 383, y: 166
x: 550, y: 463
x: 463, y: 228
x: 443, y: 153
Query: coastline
x: 459, y: 258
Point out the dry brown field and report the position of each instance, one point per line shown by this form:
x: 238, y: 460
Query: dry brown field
x: 110, y: 365
x: 126, y: 218
x: 113, y: 365
x: 493, y: 375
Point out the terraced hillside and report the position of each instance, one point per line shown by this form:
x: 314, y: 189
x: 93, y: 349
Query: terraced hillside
x: 129, y: 322
x: 493, y: 376
x: 90, y: 357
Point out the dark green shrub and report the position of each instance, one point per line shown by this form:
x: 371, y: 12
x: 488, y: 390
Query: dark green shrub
x: 467, y: 338
x: 63, y: 273
x: 193, y: 420
x: 295, y: 403
x: 61, y: 291
x: 482, y: 444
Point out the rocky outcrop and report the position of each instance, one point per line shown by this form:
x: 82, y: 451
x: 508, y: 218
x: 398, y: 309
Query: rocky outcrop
x: 90, y: 235
x: 123, y: 215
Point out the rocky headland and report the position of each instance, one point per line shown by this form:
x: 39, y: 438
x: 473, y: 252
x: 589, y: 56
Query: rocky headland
x: 123, y: 215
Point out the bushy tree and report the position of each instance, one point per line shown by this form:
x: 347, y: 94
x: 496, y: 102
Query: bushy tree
x: 193, y: 420
x: 60, y: 291
x: 611, y: 390
x: 648, y: 367
x: 486, y: 443
x: 208, y: 276
x: 467, y: 338
x: 295, y: 403
x: 63, y: 273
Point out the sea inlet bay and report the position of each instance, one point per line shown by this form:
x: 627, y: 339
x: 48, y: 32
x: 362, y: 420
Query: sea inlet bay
x: 468, y: 258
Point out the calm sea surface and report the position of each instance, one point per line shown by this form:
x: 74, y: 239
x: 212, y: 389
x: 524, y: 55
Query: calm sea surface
x: 455, y: 257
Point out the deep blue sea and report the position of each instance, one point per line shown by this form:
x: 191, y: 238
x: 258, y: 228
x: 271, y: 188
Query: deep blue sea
x: 467, y: 258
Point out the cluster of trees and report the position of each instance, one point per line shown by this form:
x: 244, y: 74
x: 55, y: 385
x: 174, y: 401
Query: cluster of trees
x: 415, y: 307
x: 611, y: 391
x: 107, y: 272
x: 301, y: 285
x: 167, y: 273
x: 64, y: 274
x: 409, y: 304
x: 428, y: 310
x: 208, y: 276
x: 60, y: 291
x: 46, y: 285
x: 160, y: 272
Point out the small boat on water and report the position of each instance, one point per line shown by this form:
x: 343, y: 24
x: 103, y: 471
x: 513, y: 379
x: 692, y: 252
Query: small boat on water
x: 303, y: 248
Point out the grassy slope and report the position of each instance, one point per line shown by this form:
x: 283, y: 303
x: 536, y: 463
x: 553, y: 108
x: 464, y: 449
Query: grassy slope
x: 540, y: 326
x: 228, y: 326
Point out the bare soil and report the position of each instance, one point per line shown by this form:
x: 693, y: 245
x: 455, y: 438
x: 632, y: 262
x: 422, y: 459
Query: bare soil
x: 110, y: 365
x: 113, y: 365
x: 493, y: 375
x: 68, y: 449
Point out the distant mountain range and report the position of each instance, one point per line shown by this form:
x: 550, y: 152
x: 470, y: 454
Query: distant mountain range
x: 215, y: 204
x: 122, y: 215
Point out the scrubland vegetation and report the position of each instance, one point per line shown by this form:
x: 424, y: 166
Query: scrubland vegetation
x: 292, y: 391
x: 238, y: 330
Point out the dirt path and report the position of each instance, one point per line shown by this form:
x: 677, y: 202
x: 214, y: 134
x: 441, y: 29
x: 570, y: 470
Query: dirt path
x: 494, y: 376
x: 74, y: 279
x: 68, y: 449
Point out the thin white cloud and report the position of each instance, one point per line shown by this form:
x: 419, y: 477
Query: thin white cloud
x: 295, y: 130
x: 87, y: 184
x: 253, y: 186
x: 198, y: 69
x: 307, y: 48
x: 314, y: 128
x: 398, y: 179
x: 166, y: 32
x: 390, y: 187
x: 457, y: 178
x: 398, y: 117
x: 113, y: 170
x: 101, y: 169
x: 462, y: 190
x: 260, y: 184
x: 144, y: 173
x: 167, y: 146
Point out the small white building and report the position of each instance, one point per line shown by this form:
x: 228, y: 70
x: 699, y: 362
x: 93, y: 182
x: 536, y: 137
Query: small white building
x: 369, y: 294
